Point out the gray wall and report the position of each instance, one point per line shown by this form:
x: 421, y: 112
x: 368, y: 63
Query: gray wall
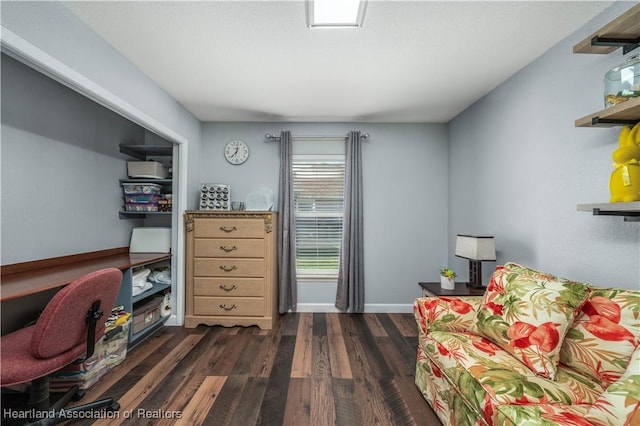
x: 60, y: 169
x: 518, y: 167
x: 51, y: 27
x: 405, y: 193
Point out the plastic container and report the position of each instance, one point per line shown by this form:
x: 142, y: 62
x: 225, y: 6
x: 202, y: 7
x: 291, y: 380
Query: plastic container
x: 141, y: 207
x: 142, y: 198
x: 622, y: 82
x: 147, y: 169
x: 141, y: 188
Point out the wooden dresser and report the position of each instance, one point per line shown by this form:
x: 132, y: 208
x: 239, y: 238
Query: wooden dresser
x: 231, y: 268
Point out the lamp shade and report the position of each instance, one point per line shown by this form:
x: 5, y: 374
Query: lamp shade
x: 475, y: 247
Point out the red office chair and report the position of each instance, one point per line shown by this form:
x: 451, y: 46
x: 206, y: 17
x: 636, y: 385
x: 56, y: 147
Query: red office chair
x: 66, y: 331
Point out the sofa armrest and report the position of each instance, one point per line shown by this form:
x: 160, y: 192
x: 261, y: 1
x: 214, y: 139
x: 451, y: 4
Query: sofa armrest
x: 457, y: 314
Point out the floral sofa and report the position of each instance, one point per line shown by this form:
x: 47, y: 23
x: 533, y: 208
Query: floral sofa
x: 536, y: 349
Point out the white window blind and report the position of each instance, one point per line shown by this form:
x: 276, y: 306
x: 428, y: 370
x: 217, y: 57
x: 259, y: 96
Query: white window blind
x: 318, y: 185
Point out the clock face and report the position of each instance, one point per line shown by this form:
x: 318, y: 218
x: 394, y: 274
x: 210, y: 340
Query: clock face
x: 236, y: 152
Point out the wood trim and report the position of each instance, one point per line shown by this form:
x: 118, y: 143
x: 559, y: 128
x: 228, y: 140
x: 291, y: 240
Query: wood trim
x: 53, y: 276
x: 16, y: 268
x: 628, y: 110
x: 626, y: 25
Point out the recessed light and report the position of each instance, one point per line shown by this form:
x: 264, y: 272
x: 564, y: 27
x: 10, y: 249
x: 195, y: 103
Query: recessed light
x: 335, y: 13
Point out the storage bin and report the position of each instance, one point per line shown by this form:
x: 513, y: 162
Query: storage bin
x: 146, y: 314
x: 141, y: 188
x: 142, y: 198
x: 147, y: 169
x: 141, y: 207
x: 110, y: 351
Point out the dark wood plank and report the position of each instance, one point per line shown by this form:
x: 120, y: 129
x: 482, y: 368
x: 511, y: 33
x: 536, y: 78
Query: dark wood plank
x: 348, y: 412
x: 227, y: 401
x: 250, y: 402
x: 406, y: 351
x: 273, y: 404
x: 319, y: 325
x: 354, y: 370
x: 181, y: 385
x: 375, y: 360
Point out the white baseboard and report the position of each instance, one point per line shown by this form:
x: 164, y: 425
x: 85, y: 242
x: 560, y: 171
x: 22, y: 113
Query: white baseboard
x: 377, y: 308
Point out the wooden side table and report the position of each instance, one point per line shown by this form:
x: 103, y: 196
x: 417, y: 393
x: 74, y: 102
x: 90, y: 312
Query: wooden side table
x: 433, y: 289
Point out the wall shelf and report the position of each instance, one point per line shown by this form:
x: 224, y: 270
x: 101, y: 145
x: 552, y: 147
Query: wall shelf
x: 141, y: 152
x: 140, y: 215
x: 162, y: 182
x: 630, y: 211
x: 624, y: 31
x: 127, y: 299
x: 624, y: 113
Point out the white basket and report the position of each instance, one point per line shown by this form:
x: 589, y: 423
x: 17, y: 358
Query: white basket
x: 147, y: 169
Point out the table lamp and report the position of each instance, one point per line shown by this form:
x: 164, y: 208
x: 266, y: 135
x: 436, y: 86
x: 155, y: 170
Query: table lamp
x: 475, y: 248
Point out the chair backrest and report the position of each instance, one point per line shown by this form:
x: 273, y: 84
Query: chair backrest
x: 62, y: 325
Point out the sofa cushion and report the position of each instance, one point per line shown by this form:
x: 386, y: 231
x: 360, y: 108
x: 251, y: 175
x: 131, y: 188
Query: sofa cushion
x: 620, y: 403
x: 527, y: 313
x: 604, y: 334
x: 487, y: 376
x: 447, y: 313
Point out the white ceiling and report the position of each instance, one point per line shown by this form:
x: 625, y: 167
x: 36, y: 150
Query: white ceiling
x: 415, y: 61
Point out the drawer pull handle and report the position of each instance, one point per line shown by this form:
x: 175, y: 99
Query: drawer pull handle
x: 225, y: 288
x: 228, y: 249
x: 228, y: 268
x: 228, y: 308
x: 227, y: 230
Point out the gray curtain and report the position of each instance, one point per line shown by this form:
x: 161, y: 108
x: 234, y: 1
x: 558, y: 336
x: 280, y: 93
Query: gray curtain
x: 350, y: 294
x: 286, y: 230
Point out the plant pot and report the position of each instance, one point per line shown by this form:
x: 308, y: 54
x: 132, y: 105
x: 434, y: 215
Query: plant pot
x: 447, y: 283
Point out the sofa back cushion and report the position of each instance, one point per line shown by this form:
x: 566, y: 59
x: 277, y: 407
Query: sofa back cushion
x: 528, y: 313
x: 620, y: 403
x: 604, y: 335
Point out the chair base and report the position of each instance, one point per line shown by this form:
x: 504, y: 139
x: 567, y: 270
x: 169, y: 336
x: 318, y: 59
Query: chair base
x: 56, y: 413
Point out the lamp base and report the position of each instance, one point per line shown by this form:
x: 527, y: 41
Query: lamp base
x: 475, y: 274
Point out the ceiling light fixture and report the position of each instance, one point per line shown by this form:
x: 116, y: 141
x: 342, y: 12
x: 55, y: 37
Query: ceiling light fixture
x: 335, y: 13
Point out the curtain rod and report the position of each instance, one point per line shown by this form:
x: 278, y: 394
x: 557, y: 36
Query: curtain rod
x: 270, y: 137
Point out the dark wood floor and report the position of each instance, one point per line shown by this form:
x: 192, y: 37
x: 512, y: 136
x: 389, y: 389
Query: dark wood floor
x: 312, y: 369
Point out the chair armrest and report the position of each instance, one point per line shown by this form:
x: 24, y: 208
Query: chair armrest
x: 457, y: 314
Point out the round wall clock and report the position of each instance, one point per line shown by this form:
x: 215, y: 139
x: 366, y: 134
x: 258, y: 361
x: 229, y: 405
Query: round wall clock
x: 236, y: 152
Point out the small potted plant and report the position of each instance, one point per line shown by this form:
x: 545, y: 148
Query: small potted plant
x: 447, y: 278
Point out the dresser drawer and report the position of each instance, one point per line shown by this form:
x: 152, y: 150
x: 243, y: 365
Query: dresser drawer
x: 203, y: 267
x: 235, y: 287
x: 228, y: 306
x: 228, y: 247
x: 229, y: 228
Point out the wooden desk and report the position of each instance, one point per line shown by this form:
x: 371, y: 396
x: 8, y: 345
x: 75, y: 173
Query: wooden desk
x: 27, y: 287
x: 58, y: 272
x: 461, y: 290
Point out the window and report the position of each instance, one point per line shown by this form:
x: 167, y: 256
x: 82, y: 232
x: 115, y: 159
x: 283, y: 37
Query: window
x: 318, y: 186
